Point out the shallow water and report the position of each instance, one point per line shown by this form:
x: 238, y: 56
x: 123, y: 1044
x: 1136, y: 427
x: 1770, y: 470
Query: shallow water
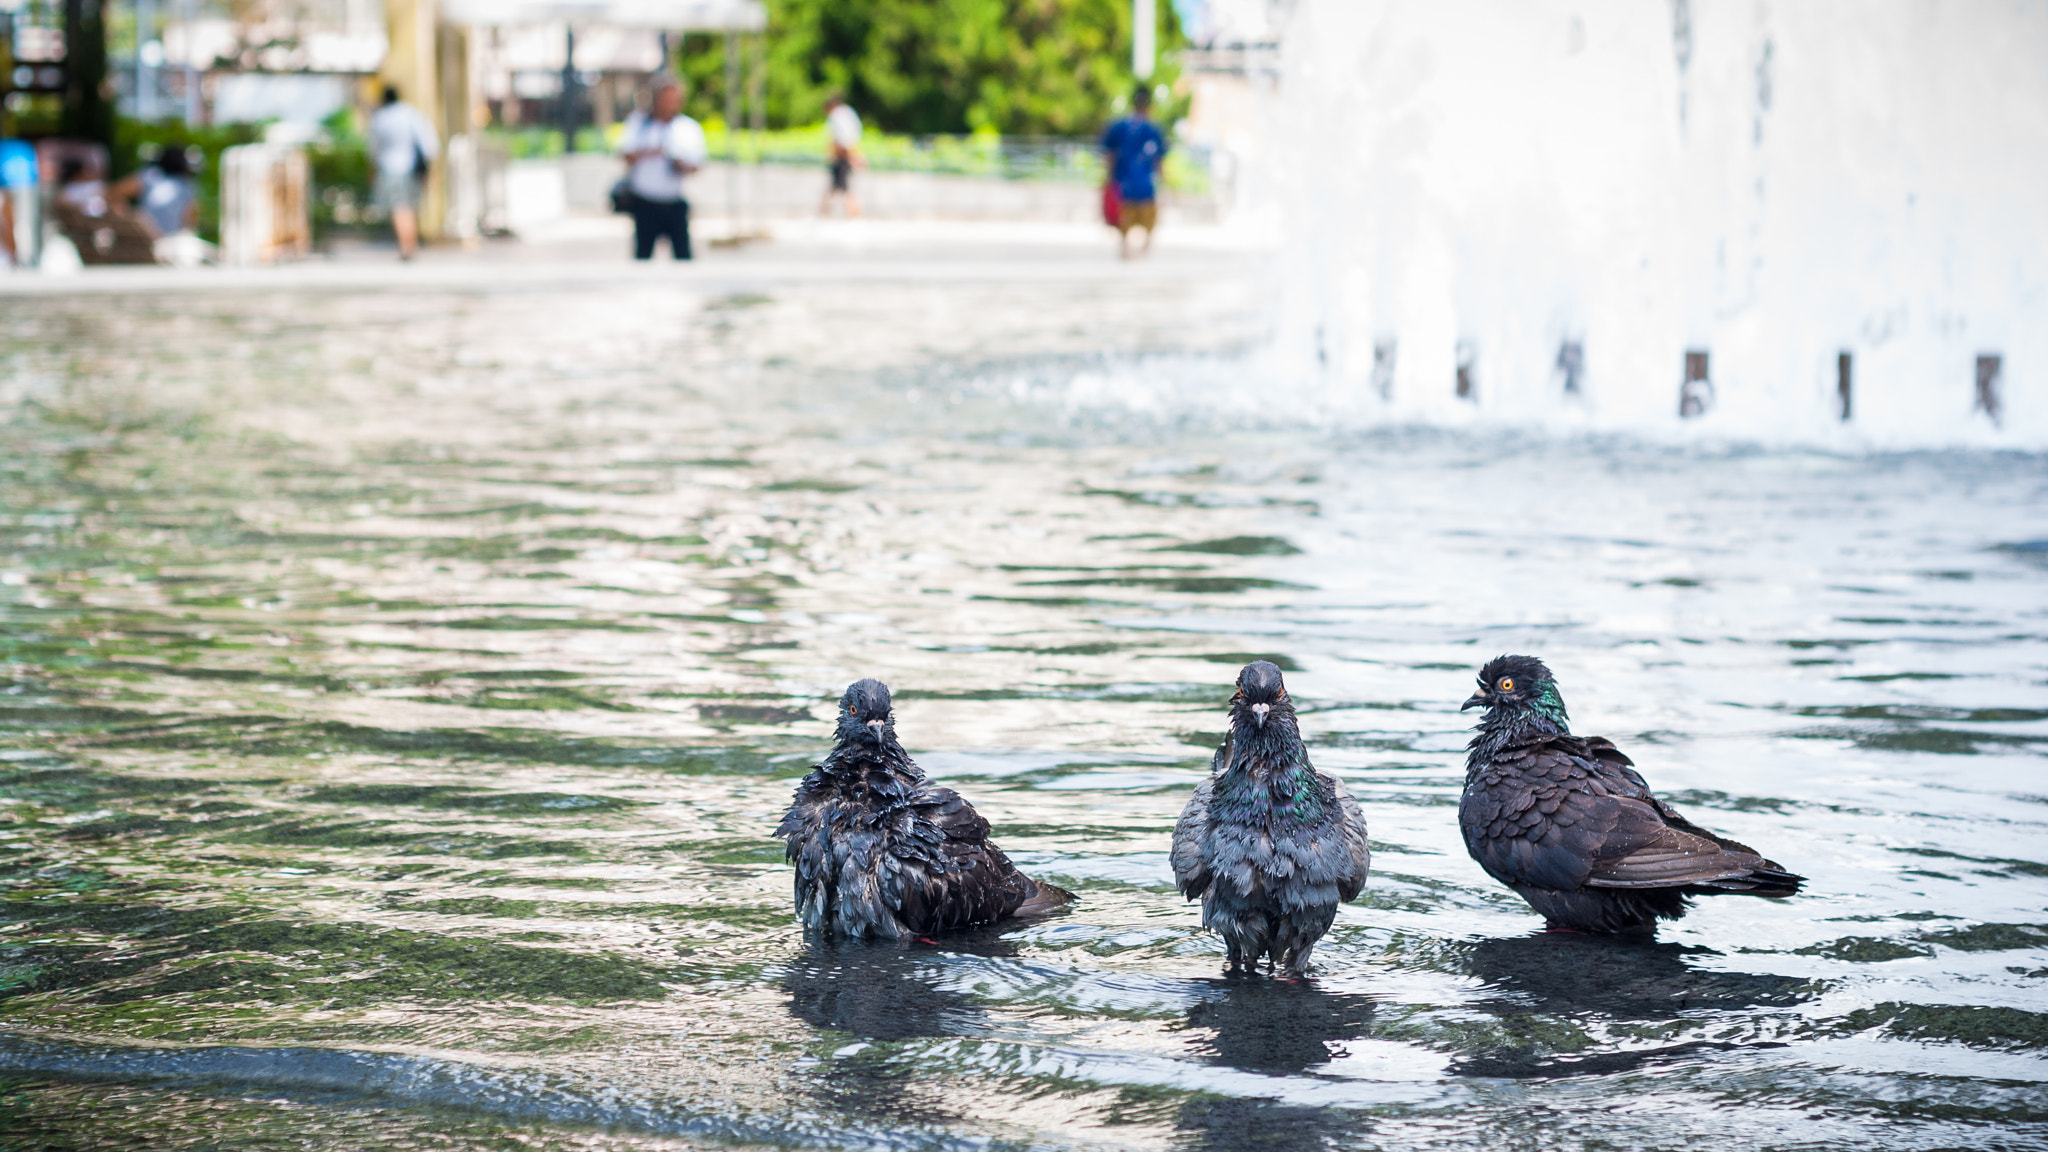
x: 400, y: 690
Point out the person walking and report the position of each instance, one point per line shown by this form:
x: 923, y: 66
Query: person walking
x: 661, y: 146
x: 1132, y: 150
x: 18, y: 179
x: 402, y: 145
x: 842, y: 135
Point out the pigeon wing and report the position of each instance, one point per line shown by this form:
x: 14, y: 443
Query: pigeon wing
x: 1190, y: 837
x: 1191, y: 831
x: 951, y: 874
x: 1590, y: 820
x: 1546, y: 813
x: 1678, y: 859
x: 1352, y: 857
x: 804, y: 834
x: 1685, y: 854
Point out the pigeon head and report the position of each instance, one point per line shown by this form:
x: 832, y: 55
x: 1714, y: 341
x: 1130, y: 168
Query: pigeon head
x: 1517, y: 687
x: 864, y: 716
x: 1260, y: 694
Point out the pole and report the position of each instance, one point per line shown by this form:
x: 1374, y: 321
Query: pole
x: 757, y: 100
x: 1144, y: 37
x: 568, y: 110
x: 7, y: 62
x: 757, y: 116
x: 88, y: 115
x: 412, y: 65
x: 74, y: 43
x: 153, y: 92
x: 191, y: 73
x: 732, y: 127
x: 145, y: 98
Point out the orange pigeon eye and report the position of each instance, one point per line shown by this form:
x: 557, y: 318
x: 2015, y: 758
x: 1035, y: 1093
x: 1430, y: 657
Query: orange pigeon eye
x: 1507, y: 683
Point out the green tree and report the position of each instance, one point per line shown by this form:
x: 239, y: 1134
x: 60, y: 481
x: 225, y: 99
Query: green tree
x: 929, y: 66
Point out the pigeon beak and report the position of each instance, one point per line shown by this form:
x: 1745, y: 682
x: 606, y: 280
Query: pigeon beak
x: 1476, y: 700
x: 875, y: 726
x: 1259, y: 711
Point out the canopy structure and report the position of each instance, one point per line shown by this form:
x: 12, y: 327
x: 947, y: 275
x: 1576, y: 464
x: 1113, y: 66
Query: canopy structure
x: 744, y: 24
x: 660, y: 15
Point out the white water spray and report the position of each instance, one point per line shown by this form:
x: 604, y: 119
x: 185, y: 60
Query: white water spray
x: 1559, y: 213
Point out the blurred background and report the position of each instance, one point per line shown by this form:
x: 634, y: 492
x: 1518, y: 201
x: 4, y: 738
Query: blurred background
x: 1011, y: 97
x: 1786, y: 219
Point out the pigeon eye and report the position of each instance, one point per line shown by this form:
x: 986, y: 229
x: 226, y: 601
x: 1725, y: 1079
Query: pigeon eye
x: 1507, y: 683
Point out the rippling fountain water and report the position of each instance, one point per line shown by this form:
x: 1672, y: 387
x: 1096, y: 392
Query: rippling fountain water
x: 400, y: 691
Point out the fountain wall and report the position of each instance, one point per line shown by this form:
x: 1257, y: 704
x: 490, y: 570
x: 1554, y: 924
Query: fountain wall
x: 1559, y: 212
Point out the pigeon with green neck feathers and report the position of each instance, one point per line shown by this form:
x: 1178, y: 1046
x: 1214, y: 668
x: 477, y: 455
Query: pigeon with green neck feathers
x: 1269, y: 845
x: 1568, y: 822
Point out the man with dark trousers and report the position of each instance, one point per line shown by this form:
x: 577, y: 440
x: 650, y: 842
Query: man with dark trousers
x: 661, y: 147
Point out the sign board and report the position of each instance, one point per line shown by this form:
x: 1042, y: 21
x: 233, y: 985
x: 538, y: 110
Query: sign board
x: 661, y: 15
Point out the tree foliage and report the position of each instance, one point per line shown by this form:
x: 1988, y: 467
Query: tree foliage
x: 927, y: 66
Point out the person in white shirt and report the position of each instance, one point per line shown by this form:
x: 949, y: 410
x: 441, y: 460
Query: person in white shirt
x: 402, y: 145
x: 842, y: 132
x: 661, y: 146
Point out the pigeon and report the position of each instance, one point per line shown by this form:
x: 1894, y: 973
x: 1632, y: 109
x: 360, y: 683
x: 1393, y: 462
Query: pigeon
x: 1567, y: 821
x: 1268, y: 844
x: 881, y: 853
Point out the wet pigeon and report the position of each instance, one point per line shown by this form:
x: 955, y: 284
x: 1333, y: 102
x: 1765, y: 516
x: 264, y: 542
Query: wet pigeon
x: 1269, y: 844
x: 1568, y: 822
x: 881, y: 852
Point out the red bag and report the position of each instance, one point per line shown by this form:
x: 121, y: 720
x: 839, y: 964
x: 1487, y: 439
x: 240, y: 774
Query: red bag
x: 1112, y: 205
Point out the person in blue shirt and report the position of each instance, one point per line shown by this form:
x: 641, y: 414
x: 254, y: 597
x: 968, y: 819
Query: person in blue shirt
x: 17, y: 183
x: 1132, y: 149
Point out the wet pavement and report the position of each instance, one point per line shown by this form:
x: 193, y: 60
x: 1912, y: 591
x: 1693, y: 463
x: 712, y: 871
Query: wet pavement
x: 402, y: 682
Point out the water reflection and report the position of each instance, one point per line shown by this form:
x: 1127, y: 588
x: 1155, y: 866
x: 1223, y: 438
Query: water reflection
x: 882, y: 991
x: 1226, y: 1124
x: 1263, y: 1025
x: 1624, y: 978
x: 1273, y: 1027
x: 1550, y: 988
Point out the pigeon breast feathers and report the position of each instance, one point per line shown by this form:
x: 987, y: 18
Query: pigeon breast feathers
x: 1328, y: 865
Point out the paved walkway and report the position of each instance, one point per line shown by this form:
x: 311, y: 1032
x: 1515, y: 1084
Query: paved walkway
x: 593, y: 250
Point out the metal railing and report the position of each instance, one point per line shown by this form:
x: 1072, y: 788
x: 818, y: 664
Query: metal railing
x: 1062, y: 159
